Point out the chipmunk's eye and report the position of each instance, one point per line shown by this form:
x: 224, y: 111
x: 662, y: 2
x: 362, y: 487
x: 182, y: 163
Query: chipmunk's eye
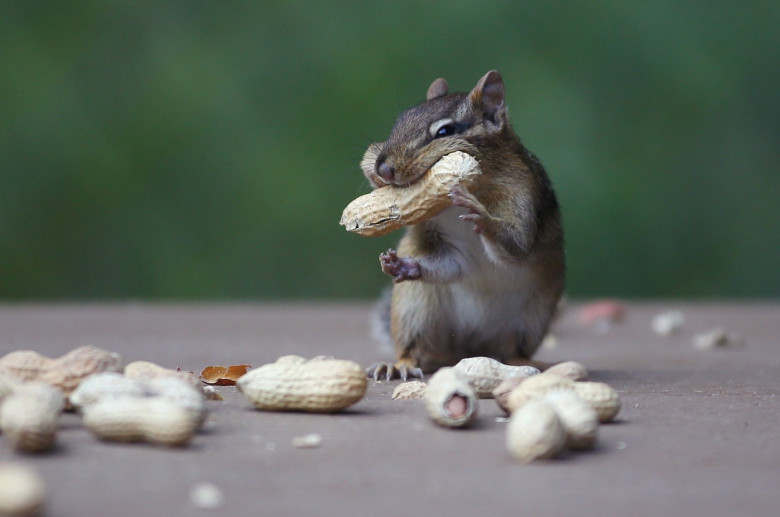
x: 443, y: 127
x: 447, y: 130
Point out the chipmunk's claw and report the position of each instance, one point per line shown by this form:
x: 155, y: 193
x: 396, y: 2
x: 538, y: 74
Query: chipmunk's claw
x: 399, y: 268
x: 400, y: 370
x: 476, y: 213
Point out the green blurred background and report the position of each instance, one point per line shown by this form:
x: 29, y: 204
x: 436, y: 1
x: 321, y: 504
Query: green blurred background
x: 204, y: 150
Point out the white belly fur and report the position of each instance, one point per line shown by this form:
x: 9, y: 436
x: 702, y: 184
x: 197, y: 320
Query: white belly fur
x: 491, y: 299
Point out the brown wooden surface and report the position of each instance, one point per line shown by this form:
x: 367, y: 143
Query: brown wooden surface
x: 699, y: 433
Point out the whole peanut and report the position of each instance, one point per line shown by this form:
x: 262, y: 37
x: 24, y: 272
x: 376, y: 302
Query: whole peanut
x: 317, y: 385
x: 154, y: 420
x: 535, y: 432
x: 29, y: 417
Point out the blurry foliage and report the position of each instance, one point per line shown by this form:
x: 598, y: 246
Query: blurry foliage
x: 203, y: 149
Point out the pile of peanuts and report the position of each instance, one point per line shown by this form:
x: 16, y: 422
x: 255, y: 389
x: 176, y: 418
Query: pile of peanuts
x: 139, y: 402
x: 549, y: 412
x: 144, y: 402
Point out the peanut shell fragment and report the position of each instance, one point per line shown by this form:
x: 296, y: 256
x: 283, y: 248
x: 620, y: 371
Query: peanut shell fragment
x: 411, y: 390
x: 207, y: 496
x: 668, y: 323
x: 317, y: 385
x: 307, y: 441
x: 223, y: 375
x: 717, y: 338
x: 389, y: 208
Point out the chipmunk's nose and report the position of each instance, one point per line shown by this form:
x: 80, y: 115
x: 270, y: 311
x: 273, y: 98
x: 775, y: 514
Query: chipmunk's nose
x: 385, y: 171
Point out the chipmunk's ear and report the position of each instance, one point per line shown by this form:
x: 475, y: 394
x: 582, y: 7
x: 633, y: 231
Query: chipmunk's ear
x: 488, y: 98
x: 438, y: 88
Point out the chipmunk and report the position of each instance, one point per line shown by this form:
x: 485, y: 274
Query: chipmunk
x: 484, y: 276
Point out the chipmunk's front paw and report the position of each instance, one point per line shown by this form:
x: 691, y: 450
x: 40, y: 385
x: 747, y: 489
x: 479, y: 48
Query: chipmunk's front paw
x: 477, y: 213
x: 399, y: 268
x: 400, y: 370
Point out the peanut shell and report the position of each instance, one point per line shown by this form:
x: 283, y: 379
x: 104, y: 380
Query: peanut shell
x: 411, y: 390
x: 25, y: 365
x: 64, y: 373
x: 389, y: 208
x: 29, y: 417
x: 68, y: 371
x: 8, y: 383
x: 153, y: 420
x: 223, y: 375
x: 146, y: 370
x: 22, y: 490
x: 577, y: 416
x: 571, y: 370
x: 601, y: 397
x: 114, y: 386
x: 501, y: 392
x: 106, y: 385
x: 717, y: 338
x: 485, y: 374
x: 534, y: 388
x: 668, y: 323
x: 535, y: 432
x: 320, y: 385
x: 180, y: 392
x: 450, y: 399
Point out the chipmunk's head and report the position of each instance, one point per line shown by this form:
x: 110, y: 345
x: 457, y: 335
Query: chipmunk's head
x: 444, y: 123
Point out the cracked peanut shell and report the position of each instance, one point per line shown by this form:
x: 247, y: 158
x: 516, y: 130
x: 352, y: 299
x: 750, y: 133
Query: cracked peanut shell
x: 410, y: 390
x: 450, y: 399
